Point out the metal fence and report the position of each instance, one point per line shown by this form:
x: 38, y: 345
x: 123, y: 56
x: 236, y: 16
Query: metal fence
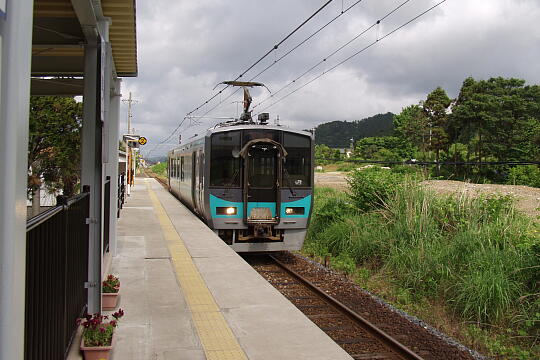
x: 56, y: 272
x: 107, y: 215
x: 121, y: 192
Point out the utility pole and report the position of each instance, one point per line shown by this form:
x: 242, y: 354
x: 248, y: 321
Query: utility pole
x: 129, y: 101
x: 130, y: 164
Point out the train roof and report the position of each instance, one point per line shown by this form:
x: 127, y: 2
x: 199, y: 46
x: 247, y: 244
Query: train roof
x: 234, y: 127
x: 255, y: 126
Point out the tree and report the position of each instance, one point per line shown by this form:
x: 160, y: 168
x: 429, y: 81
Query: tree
x: 54, y: 144
x: 387, y: 148
x: 501, y: 116
x: 411, y: 125
x: 435, y: 108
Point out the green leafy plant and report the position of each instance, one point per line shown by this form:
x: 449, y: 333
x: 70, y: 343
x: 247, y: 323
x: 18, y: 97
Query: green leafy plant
x: 160, y: 169
x: 98, y: 329
x: 524, y: 175
x: 371, y: 187
x: 111, y: 284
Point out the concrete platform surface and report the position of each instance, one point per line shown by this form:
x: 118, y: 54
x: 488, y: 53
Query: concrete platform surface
x: 159, y: 323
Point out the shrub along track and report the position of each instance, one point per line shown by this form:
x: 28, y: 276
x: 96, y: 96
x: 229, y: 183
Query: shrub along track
x: 353, y: 332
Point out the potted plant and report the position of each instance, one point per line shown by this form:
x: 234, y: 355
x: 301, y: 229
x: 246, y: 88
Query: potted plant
x: 110, y: 291
x: 98, y: 335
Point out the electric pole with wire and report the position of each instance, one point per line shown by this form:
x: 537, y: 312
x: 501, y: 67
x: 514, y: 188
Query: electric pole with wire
x: 130, y: 153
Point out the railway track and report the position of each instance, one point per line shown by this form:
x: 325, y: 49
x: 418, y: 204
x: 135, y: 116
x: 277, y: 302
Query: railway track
x: 159, y: 179
x: 355, y: 334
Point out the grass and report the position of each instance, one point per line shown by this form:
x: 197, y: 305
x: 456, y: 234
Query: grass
x: 160, y: 169
x: 476, y: 260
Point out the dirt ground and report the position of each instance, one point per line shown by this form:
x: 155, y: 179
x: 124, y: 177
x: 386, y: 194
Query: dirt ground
x: 331, y: 179
x: 528, y: 198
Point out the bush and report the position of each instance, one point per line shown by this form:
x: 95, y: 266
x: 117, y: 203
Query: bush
x: 524, y: 175
x: 330, y: 205
x: 160, y: 169
x: 344, y: 263
x: 370, y: 188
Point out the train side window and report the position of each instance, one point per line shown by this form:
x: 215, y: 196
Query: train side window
x: 182, y: 168
x: 225, y: 159
x: 298, y: 161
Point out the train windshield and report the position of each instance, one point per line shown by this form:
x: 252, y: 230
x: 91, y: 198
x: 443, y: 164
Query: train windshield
x: 225, y: 159
x: 298, y: 161
x: 262, y: 167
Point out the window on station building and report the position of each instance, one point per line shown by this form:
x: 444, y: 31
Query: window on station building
x: 225, y: 159
x: 297, y: 167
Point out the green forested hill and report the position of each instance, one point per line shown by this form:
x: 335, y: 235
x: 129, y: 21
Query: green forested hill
x: 339, y: 133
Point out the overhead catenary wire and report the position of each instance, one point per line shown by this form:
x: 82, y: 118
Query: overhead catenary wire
x: 338, y: 64
x: 274, y: 48
x: 272, y: 64
x: 421, y: 162
x: 167, y: 138
x: 323, y: 60
x: 353, y: 55
x: 188, y: 115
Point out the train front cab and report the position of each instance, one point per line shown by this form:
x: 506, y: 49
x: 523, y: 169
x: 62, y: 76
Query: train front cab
x: 261, y: 188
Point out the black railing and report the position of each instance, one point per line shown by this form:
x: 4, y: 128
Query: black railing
x: 121, y: 192
x: 107, y: 214
x: 56, y: 272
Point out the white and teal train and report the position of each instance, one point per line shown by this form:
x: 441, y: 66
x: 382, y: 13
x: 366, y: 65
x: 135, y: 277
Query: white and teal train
x: 251, y: 183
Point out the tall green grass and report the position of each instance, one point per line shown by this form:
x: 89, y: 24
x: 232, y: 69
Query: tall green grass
x: 160, y: 169
x: 480, y: 256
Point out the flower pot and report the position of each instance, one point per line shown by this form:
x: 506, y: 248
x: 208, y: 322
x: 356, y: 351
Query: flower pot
x: 109, y: 300
x: 97, y: 352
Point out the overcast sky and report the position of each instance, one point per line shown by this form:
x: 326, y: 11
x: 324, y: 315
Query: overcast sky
x: 186, y: 47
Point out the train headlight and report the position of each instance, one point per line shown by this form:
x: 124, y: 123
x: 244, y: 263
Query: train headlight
x: 226, y: 210
x: 294, y: 211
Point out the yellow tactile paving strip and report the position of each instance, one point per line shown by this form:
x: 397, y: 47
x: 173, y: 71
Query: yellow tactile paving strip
x: 215, y: 334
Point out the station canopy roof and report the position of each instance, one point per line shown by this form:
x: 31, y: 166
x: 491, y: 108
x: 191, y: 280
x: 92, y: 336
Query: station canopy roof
x: 59, y: 36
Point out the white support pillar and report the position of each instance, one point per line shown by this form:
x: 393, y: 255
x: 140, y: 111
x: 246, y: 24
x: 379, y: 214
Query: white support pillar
x: 112, y: 166
x: 15, y: 58
x: 111, y: 133
x: 105, y: 98
x: 91, y: 165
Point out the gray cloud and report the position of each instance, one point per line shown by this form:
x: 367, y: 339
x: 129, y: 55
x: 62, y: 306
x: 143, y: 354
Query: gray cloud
x: 187, y: 47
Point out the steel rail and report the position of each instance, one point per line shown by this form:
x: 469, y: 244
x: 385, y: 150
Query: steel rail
x: 385, y: 338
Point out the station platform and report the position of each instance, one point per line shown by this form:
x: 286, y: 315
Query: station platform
x: 188, y: 296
